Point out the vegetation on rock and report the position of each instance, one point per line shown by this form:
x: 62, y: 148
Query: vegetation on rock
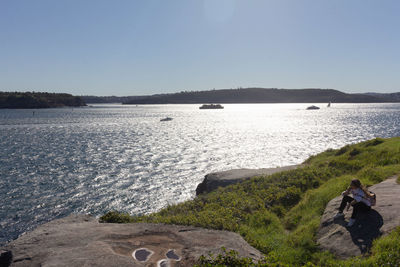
x: 280, y: 214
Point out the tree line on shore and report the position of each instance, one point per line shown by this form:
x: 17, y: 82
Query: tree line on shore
x: 250, y: 95
x: 21, y: 100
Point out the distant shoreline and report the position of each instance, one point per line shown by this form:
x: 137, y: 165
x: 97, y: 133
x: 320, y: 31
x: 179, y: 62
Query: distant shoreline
x: 34, y: 100
x: 249, y: 96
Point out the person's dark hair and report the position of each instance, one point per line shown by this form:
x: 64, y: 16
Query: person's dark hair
x: 356, y: 183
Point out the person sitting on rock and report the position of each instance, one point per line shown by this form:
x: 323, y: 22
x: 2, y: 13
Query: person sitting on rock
x: 360, y: 201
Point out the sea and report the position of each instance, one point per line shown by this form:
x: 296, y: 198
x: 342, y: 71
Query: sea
x: 54, y: 162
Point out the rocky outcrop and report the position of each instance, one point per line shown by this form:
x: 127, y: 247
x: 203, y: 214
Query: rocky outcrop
x: 344, y: 242
x: 80, y: 240
x: 221, y: 179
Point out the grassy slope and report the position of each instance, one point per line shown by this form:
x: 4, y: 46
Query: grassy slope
x: 280, y: 214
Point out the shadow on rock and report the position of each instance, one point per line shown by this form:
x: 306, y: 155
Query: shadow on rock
x: 365, y: 230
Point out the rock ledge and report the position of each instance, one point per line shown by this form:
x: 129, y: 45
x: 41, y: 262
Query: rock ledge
x: 80, y: 240
x: 221, y: 179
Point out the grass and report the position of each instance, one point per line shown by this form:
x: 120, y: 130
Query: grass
x: 280, y: 214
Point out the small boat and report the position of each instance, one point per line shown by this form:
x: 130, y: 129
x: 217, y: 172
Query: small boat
x: 166, y: 119
x: 312, y: 107
x: 329, y: 104
x: 211, y: 106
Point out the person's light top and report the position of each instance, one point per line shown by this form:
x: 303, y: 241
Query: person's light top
x: 360, y: 196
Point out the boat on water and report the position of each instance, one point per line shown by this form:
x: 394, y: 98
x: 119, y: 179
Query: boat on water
x: 312, y: 107
x: 166, y: 119
x: 211, y: 106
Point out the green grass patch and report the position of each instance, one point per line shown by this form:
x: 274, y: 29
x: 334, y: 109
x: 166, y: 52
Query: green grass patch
x: 280, y: 214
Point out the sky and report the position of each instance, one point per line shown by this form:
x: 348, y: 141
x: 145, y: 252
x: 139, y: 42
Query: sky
x: 128, y: 47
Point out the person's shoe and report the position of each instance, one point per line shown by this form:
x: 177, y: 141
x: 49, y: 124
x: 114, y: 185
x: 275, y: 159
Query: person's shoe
x: 351, y: 222
x: 338, y: 215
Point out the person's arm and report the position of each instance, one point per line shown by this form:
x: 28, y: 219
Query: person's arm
x: 366, y: 192
x: 347, y: 192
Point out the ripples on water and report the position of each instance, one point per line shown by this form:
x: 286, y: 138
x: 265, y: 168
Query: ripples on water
x: 113, y: 157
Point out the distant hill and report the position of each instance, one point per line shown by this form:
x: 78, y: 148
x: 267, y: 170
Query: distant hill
x: 90, y: 99
x: 391, y: 97
x: 38, y: 100
x: 260, y: 95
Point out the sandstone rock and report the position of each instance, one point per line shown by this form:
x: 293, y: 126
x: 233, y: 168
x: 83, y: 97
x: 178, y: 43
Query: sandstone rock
x: 344, y: 242
x: 221, y: 179
x: 80, y: 240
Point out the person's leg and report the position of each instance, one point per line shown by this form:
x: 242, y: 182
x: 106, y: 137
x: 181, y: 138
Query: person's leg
x: 356, y: 210
x: 345, y: 200
x: 359, y: 207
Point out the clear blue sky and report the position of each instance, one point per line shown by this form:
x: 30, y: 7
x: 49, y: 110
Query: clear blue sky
x: 105, y: 47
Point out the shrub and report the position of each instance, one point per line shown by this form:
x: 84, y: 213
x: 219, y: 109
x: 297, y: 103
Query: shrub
x: 374, y: 142
x: 116, y: 217
x: 231, y: 258
x: 346, y: 166
x: 342, y: 150
x: 289, y: 197
x: 355, y: 152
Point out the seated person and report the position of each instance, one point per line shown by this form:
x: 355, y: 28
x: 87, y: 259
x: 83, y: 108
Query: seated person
x: 360, y: 200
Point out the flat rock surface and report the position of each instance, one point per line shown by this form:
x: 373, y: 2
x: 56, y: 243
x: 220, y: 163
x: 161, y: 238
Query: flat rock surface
x: 220, y: 179
x: 344, y: 242
x: 80, y: 240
